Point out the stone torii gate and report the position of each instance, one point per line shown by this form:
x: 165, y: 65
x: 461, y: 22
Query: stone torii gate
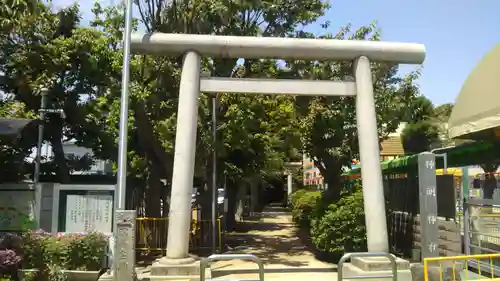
x: 191, y: 84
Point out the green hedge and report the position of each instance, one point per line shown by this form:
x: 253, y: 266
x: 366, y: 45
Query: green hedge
x: 335, y: 227
x: 340, y: 228
x: 303, y: 202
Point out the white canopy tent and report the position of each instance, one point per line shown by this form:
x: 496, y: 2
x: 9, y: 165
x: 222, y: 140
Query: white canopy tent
x: 476, y: 113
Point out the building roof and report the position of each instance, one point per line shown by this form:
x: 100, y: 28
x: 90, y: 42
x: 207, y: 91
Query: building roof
x: 12, y: 127
x: 392, y: 147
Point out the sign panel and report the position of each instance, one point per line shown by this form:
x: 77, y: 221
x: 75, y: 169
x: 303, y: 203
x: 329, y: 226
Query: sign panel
x: 89, y: 212
x: 16, y: 209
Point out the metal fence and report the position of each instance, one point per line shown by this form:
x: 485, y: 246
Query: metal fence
x: 151, y: 235
x: 481, y: 216
x: 402, y: 191
x: 483, y: 267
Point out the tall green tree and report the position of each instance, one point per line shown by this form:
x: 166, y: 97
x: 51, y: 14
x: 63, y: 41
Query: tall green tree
x: 443, y: 112
x: 253, y: 134
x: 44, y: 48
x: 328, y: 124
x: 426, y: 128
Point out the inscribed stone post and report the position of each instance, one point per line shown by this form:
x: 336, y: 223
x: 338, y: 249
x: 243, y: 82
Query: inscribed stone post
x: 428, y: 204
x: 124, y: 262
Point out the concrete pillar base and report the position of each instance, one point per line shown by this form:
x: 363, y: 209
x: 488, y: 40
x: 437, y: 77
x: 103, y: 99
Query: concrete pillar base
x: 175, y: 269
x: 186, y: 269
x: 417, y: 271
x: 375, y: 266
x: 149, y: 277
x: 108, y: 276
x: 169, y: 261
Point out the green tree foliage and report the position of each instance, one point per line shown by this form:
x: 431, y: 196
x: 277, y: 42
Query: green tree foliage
x: 81, y: 66
x: 418, y: 137
x: 47, y: 49
x: 328, y: 124
x: 256, y: 133
x: 426, y: 128
x: 443, y: 112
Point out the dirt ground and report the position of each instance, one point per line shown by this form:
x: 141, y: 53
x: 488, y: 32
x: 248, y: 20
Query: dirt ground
x: 273, y: 238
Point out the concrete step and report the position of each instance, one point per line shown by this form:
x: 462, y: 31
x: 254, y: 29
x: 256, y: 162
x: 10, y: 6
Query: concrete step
x: 352, y: 270
x: 303, y: 276
x: 159, y: 269
x: 169, y: 278
x: 378, y: 263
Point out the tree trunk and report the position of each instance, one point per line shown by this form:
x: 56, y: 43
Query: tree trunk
x: 153, y: 193
x: 254, y: 199
x: 205, y: 197
x: 334, y: 181
x: 231, y: 195
x: 490, y: 182
x: 60, y: 159
x: 150, y: 142
x: 159, y: 163
x: 489, y: 186
x: 205, y: 201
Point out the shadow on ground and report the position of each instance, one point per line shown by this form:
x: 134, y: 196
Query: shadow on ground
x: 256, y: 225
x: 272, y: 238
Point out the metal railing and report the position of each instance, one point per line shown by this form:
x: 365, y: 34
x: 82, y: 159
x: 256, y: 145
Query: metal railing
x: 348, y: 256
x: 151, y: 234
x: 213, y: 258
x: 483, y: 264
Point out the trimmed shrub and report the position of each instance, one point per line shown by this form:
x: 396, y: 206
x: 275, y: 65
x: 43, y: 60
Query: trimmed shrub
x: 72, y: 251
x: 303, y: 203
x: 340, y: 228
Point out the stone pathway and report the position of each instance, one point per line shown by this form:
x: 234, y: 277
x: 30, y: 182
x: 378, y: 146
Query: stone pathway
x: 274, y: 240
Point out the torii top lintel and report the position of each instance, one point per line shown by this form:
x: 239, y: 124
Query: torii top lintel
x: 278, y: 48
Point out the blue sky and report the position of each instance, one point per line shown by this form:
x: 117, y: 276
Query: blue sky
x: 456, y: 33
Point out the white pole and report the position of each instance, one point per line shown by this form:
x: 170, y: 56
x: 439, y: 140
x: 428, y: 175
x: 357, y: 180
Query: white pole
x: 121, y: 185
x: 38, y: 158
x: 179, y: 219
x: 371, y: 173
x: 214, y: 175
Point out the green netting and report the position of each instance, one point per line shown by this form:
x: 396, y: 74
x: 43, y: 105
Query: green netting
x: 465, y: 155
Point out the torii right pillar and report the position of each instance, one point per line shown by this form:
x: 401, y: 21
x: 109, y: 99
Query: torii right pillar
x: 369, y: 151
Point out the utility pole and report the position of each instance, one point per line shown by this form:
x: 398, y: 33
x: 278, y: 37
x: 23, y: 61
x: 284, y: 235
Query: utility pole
x: 214, y: 175
x: 123, y: 259
x: 38, y: 158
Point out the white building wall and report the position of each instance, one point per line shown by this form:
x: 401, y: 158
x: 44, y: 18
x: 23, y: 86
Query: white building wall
x: 70, y: 148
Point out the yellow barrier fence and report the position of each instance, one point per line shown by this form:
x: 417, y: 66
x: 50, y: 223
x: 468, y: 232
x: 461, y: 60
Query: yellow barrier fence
x: 486, y: 265
x: 151, y: 234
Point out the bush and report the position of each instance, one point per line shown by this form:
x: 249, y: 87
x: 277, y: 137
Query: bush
x: 303, y: 203
x: 10, y: 258
x: 73, y: 251
x: 86, y: 252
x: 34, y: 250
x: 340, y: 228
